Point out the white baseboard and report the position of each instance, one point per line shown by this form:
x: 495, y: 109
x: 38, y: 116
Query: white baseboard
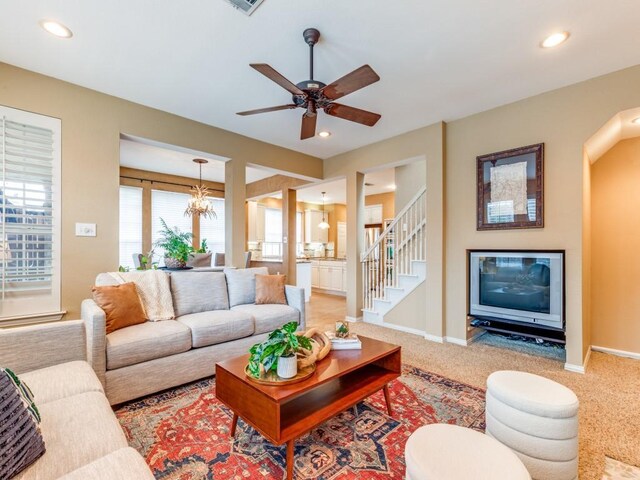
x: 433, y: 338
x: 613, y: 351
x: 579, y: 368
x: 456, y: 341
x: 353, y: 319
x: 401, y: 328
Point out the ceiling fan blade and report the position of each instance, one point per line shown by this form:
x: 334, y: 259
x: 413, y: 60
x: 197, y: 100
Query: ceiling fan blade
x: 273, y: 75
x: 352, y: 114
x: 268, y: 109
x: 308, y: 129
x: 351, y: 82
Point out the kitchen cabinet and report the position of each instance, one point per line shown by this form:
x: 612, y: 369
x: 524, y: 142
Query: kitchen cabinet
x: 372, y: 214
x: 255, y: 222
x: 313, y: 233
x: 329, y: 275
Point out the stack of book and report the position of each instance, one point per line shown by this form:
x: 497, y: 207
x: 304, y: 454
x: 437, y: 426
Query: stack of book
x: 350, y: 342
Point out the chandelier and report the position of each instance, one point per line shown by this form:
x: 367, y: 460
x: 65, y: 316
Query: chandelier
x: 199, y: 204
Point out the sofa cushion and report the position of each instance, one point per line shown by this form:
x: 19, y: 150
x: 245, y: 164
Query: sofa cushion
x: 241, y: 284
x: 195, y: 292
x: 269, y: 317
x: 77, y: 430
x: 61, y: 381
x: 146, y: 341
x: 270, y: 289
x: 121, y: 305
x: 123, y: 464
x: 217, y: 326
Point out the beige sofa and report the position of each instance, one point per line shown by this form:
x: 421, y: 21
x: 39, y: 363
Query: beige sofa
x: 216, y: 319
x: 82, y: 436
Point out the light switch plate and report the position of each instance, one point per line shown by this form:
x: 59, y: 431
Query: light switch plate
x: 85, y: 229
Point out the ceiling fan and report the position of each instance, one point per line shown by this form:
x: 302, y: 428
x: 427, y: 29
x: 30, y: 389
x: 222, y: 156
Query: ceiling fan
x: 313, y: 94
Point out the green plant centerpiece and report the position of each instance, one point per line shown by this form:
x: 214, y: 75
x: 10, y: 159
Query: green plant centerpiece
x: 177, y: 245
x: 281, y: 343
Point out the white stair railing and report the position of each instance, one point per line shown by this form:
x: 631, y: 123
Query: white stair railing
x: 390, y: 256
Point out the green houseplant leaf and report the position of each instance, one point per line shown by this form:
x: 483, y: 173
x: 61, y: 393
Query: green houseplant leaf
x: 282, y: 342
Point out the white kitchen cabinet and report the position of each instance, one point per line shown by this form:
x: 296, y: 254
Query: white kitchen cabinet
x: 372, y: 214
x: 335, y: 273
x: 315, y: 275
x: 303, y: 278
x: 344, y: 277
x: 313, y: 233
x: 325, y: 277
x: 255, y: 222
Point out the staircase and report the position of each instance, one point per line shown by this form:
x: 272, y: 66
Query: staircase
x: 395, y: 264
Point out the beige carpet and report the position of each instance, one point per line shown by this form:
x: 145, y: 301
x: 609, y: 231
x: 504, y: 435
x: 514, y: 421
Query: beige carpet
x: 609, y: 392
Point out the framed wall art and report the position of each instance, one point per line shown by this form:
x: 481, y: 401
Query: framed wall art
x: 510, y: 188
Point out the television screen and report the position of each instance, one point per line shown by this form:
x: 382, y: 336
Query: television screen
x: 517, y: 283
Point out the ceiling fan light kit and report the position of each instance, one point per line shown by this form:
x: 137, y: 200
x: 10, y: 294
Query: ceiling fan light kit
x: 313, y: 95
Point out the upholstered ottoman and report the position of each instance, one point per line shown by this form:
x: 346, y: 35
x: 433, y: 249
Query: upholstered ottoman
x: 448, y: 452
x: 538, y: 419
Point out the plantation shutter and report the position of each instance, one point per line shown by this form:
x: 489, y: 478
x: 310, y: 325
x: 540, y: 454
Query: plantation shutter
x: 212, y: 229
x: 130, y: 225
x: 29, y: 214
x: 169, y: 206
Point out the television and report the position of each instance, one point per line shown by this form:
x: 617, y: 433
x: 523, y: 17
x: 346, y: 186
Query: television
x: 519, y: 287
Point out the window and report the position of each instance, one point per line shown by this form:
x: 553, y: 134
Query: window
x: 212, y: 229
x: 29, y: 214
x: 169, y: 206
x: 272, y: 245
x: 130, y: 225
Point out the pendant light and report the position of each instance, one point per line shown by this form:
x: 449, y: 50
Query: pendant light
x: 323, y: 225
x: 199, y: 204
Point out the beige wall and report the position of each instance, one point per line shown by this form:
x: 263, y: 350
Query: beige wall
x: 615, y: 222
x: 409, y: 180
x: 563, y: 119
x: 91, y: 126
x: 387, y: 200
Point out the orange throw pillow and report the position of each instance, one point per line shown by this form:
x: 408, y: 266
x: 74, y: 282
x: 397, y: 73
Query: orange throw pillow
x: 270, y: 289
x: 121, y: 304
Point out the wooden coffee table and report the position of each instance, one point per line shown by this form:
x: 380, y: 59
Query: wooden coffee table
x: 283, y: 413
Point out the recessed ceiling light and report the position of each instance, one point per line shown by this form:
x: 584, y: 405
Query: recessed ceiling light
x: 56, y: 28
x: 636, y: 121
x: 324, y: 134
x: 554, y: 40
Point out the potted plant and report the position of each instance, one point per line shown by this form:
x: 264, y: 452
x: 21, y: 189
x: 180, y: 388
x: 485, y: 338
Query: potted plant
x: 176, y: 245
x: 278, y: 352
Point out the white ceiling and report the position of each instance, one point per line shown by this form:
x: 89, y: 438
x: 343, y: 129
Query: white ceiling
x: 438, y: 60
x: 336, y: 190
x: 173, y: 162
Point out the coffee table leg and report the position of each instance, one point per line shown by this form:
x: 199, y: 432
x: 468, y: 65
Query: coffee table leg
x: 290, y: 460
x: 387, y: 398
x: 234, y: 422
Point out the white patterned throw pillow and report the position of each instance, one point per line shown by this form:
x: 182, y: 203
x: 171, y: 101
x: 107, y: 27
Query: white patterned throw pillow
x: 154, y: 290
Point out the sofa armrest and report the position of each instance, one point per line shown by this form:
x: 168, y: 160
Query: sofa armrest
x: 295, y: 299
x: 23, y: 349
x: 95, y: 322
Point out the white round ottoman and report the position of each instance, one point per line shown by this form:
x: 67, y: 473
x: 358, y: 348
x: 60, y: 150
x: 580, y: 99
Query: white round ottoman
x: 538, y: 419
x: 448, y: 452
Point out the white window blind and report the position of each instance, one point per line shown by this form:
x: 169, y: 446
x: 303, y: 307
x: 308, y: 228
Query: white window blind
x: 272, y: 245
x: 212, y: 229
x: 130, y: 225
x: 29, y: 214
x: 169, y: 206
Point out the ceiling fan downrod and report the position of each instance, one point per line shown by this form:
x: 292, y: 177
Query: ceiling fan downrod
x: 311, y: 36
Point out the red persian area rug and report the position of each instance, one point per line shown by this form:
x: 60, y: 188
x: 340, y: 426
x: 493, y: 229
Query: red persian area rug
x: 184, y: 433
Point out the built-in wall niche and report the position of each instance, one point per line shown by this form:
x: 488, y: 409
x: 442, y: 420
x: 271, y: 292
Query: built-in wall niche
x: 519, y: 292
